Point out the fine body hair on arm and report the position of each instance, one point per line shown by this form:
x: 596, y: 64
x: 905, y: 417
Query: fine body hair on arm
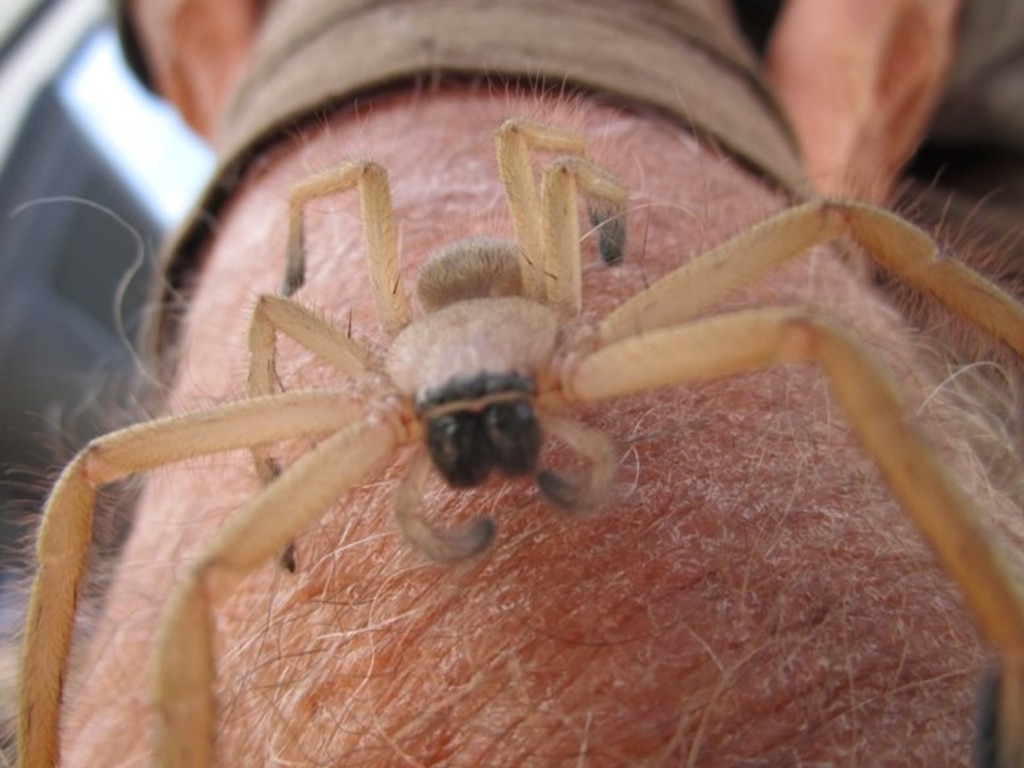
x: 750, y: 595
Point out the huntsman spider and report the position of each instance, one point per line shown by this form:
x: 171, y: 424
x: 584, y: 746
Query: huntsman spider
x: 478, y: 380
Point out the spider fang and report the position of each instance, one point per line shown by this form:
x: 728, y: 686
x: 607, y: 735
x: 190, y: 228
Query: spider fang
x: 480, y: 423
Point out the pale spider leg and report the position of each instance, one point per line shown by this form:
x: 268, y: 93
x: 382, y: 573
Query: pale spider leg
x: 513, y: 142
x: 746, y: 341
x: 274, y: 314
x: 185, y: 667
x: 65, y: 534
x: 606, y: 203
x: 445, y: 546
x: 378, y: 219
x: 592, y: 491
x: 700, y: 283
x: 898, y: 245
x: 900, y: 249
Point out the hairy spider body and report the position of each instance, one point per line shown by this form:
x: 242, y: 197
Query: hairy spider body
x: 477, y: 380
x: 470, y: 368
x: 469, y: 365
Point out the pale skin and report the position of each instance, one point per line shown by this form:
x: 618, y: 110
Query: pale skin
x: 859, y: 81
x: 750, y: 591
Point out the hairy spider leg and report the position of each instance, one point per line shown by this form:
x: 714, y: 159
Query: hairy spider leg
x: 513, y: 142
x: 447, y: 545
x: 545, y: 223
x: 65, y: 535
x: 273, y: 315
x: 896, y: 244
x: 606, y: 200
x: 183, y: 684
x: 377, y: 215
x: 746, y: 341
x: 591, y: 491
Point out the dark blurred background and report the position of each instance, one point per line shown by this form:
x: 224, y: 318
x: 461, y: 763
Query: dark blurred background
x: 93, y: 172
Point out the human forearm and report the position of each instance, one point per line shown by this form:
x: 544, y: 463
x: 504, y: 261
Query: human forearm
x: 750, y: 591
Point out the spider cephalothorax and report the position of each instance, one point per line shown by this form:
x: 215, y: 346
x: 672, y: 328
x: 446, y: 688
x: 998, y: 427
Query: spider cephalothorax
x: 477, y: 380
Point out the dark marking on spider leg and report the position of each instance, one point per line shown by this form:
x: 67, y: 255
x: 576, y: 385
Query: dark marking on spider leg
x: 454, y: 545
x: 293, y: 280
x: 610, y: 223
x: 291, y: 283
x: 295, y: 265
x: 268, y: 470
x: 565, y: 493
x: 997, y: 739
x: 271, y: 469
x: 987, y: 726
x: 557, y: 489
x: 287, y: 558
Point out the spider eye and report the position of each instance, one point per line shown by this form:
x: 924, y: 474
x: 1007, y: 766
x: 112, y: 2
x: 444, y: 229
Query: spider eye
x: 513, y: 435
x: 458, y: 446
